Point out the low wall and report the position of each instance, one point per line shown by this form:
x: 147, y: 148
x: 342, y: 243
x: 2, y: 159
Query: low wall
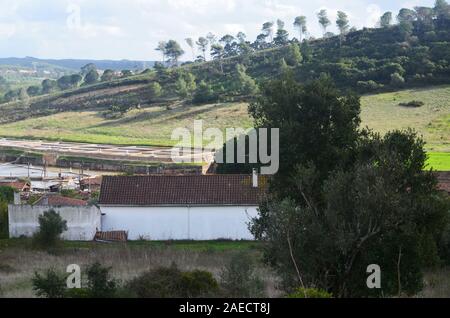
x: 82, y: 222
x: 93, y: 164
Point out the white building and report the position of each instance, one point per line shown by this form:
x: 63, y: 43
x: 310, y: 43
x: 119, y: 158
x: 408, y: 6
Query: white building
x: 167, y: 207
x: 83, y: 221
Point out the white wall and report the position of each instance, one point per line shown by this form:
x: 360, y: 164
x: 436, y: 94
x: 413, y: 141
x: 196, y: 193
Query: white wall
x: 180, y: 223
x: 82, y: 222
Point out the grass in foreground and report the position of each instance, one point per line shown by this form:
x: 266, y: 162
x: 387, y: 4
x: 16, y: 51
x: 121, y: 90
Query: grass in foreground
x: 18, y: 261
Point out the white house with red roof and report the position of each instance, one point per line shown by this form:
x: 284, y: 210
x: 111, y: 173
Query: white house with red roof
x: 186, y: 207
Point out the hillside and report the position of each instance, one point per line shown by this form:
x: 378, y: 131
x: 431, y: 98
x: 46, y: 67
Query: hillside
x: 392, y: 66
x: 368, y: 61
x: 148, y: 126
x: 154, y: 125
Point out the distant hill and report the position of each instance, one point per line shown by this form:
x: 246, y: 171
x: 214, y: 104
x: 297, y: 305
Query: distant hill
x: 76, y: 64
x: 366, y: 61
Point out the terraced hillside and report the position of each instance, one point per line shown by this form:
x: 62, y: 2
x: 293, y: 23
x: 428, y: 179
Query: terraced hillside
x: 154, y: 125
x: 148, y: 126
x: 368, y: 60
x: 380, y: 62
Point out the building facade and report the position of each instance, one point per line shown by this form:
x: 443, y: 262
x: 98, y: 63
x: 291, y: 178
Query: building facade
x: 195, y: 207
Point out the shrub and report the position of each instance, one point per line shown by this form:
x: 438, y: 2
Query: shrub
x: 198, y: 283
x: 309, y: 293
x: 172, y: 283
x: 414, y: 103
x: 397, y: 80
x: 158, y: 283
x: 4, y: 231
x: 51, y: 226
x: 155, y: 90
x: 99, y: 283
x: 369, y: 86
x: 50, y: 285
x: 6, y: 194
x: 239, y: 278
x: 204, y: 94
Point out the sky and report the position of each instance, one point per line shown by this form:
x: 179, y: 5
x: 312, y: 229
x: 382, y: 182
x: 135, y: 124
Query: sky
x: 131, y: 29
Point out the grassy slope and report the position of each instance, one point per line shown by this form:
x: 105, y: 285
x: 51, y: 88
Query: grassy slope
x: 154, y: 125
x: 149, y: 126
x: 382, y: 113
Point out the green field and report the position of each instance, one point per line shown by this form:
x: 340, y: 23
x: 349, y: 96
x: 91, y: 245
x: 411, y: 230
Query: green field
x: 154, y: 125
x: 382, y: 113
x: 150, y: 126
x: 439, y: 161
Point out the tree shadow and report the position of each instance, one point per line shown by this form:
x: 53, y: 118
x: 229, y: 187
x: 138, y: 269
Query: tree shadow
x: 178, y: 113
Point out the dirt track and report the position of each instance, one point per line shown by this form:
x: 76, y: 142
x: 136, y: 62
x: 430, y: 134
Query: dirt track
x: 97, y: 151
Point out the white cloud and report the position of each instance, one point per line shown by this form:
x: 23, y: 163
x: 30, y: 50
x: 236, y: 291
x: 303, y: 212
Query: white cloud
x: 7, y: 30
x: 131, y: 28
x: 373, y: 15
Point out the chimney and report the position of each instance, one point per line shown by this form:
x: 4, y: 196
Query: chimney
x: 17, y: 200
x: 255, y: 178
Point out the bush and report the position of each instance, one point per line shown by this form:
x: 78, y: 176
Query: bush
x: 397, y: 80
x: 53, y: 284
x: 172, y: 283
x: 99, y: 283
x: 158, y: 283
x: 239, y: 279
x: 4, y: 231
x: 51, y: 226
x: 369, y: 86
x: 414, y: 103
x: 155, y: 90
x: 204, y: 94
x: 309, y: 293
x: 198, y: 284
x: 50, y: 285
x: 6, y: 196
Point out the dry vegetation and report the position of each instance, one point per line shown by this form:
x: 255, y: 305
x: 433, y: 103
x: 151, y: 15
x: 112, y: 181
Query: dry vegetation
x: 148, y: 126
x: 18, y: 263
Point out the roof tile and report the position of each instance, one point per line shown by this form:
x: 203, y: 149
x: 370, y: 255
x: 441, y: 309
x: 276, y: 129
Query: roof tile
x: 181, y: 190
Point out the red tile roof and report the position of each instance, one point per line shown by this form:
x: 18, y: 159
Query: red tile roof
x: 56, y: 200
x: 18, y: 185
x: 181, y: 190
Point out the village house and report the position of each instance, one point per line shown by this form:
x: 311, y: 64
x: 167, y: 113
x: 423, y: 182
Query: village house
x: 184, y: 207
x: 18, y: 185
x: 158, y: 207
x: 55, y: 200
x: 83, y: 220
